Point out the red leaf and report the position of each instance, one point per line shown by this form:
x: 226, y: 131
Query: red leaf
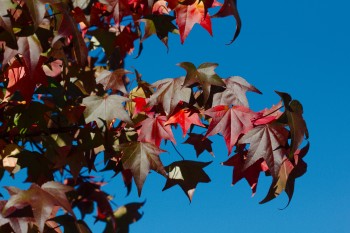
x: 188, y: 15
x: 251, y: 174
x: 19, y: 80
x: 267, y: 142
x: 230, y: 122
x: 230, y: 8
x: 153, y: 130
x: 185, y: 118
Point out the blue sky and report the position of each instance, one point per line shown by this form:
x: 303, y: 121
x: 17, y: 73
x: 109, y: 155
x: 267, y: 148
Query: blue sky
x: 300, y: 47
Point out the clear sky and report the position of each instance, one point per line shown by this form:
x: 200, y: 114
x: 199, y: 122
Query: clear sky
x: 300, y: 47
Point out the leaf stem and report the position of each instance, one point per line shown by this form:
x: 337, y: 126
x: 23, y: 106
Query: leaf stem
x: 178, y: 152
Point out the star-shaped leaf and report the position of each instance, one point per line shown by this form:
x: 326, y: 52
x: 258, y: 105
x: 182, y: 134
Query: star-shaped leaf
x: 230, y: 122
x: 200, y: 143
x: 105, y: 108
x: 169, y: 93
x: 154, y: 130
x: 41, y: 199
x: 187, y: 174
x: 188, y: 15
x: 204, y: 75
x: 235, y: 92
x: 160, y: 25
x: 113, y: 80
x: 251, y: 174
x: 140, y: 158
x: 185, y: 118
x: 267, y: 142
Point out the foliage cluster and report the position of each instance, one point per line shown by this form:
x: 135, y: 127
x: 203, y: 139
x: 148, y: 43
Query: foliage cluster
x: 63, y: 104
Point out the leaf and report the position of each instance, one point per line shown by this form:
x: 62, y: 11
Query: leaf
x: 187, y: 174
x: 105, y: 108
x: 119, y: 8
x: 200, y: 143
x: 41, y: 199
x: 295, y: 121
x: 153, y: 130
x: 185, y: 118
x: 188, y: 15
x: 38, y: 166
x: 230, y: 8
x: 37, y: 11
x: 6, y: 33
x: 24, y: 80
x: 235, y: 92
x: 18, y: 225
x: 204, y: 75
x: 125, y: 40
x: 9, y: 162
x: 267, y: 142
x: 113, y: 80
x: 230, y: 122
x: 169, y: 93
x: 269, y: 115
x: 68, y: 28
x: 128, y: 214
x: 140, y: 158
x: 287, y: 175
x: 160, y: 25
x: 251, y: 174
x: 71, y: 225
x: 124, y: 216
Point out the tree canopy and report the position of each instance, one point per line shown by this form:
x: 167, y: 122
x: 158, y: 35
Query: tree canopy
x: 67, y: 98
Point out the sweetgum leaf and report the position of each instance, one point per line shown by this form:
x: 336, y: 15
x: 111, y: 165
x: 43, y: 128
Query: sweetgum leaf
x: 251, y: 174
x: 160, y: 25
x: 294, y: 116
x: 200, y: 143
x: 68, y: 28
x: 187, y: 174
x: 185, y: 118
x: 41, y: 199
x: 230, y: 122
x: 140, y: 158
x: 71, y: 225
x: 38, y: 167
x: 204, y: 75
x: 267, y: 142
x: 169, y: 93
x: 235, y: 92
x: 105, y: 108
x: 16, y: 224
x: 124, y: 216
x: 287, y: 175
x: 188, y: 15
x: 113, y: 80
x: 37, y: 11
x: 153, y: 130
x: 230, y: 8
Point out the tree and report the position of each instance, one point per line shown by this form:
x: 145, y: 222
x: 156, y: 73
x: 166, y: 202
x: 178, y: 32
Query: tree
x: 68, y: 98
